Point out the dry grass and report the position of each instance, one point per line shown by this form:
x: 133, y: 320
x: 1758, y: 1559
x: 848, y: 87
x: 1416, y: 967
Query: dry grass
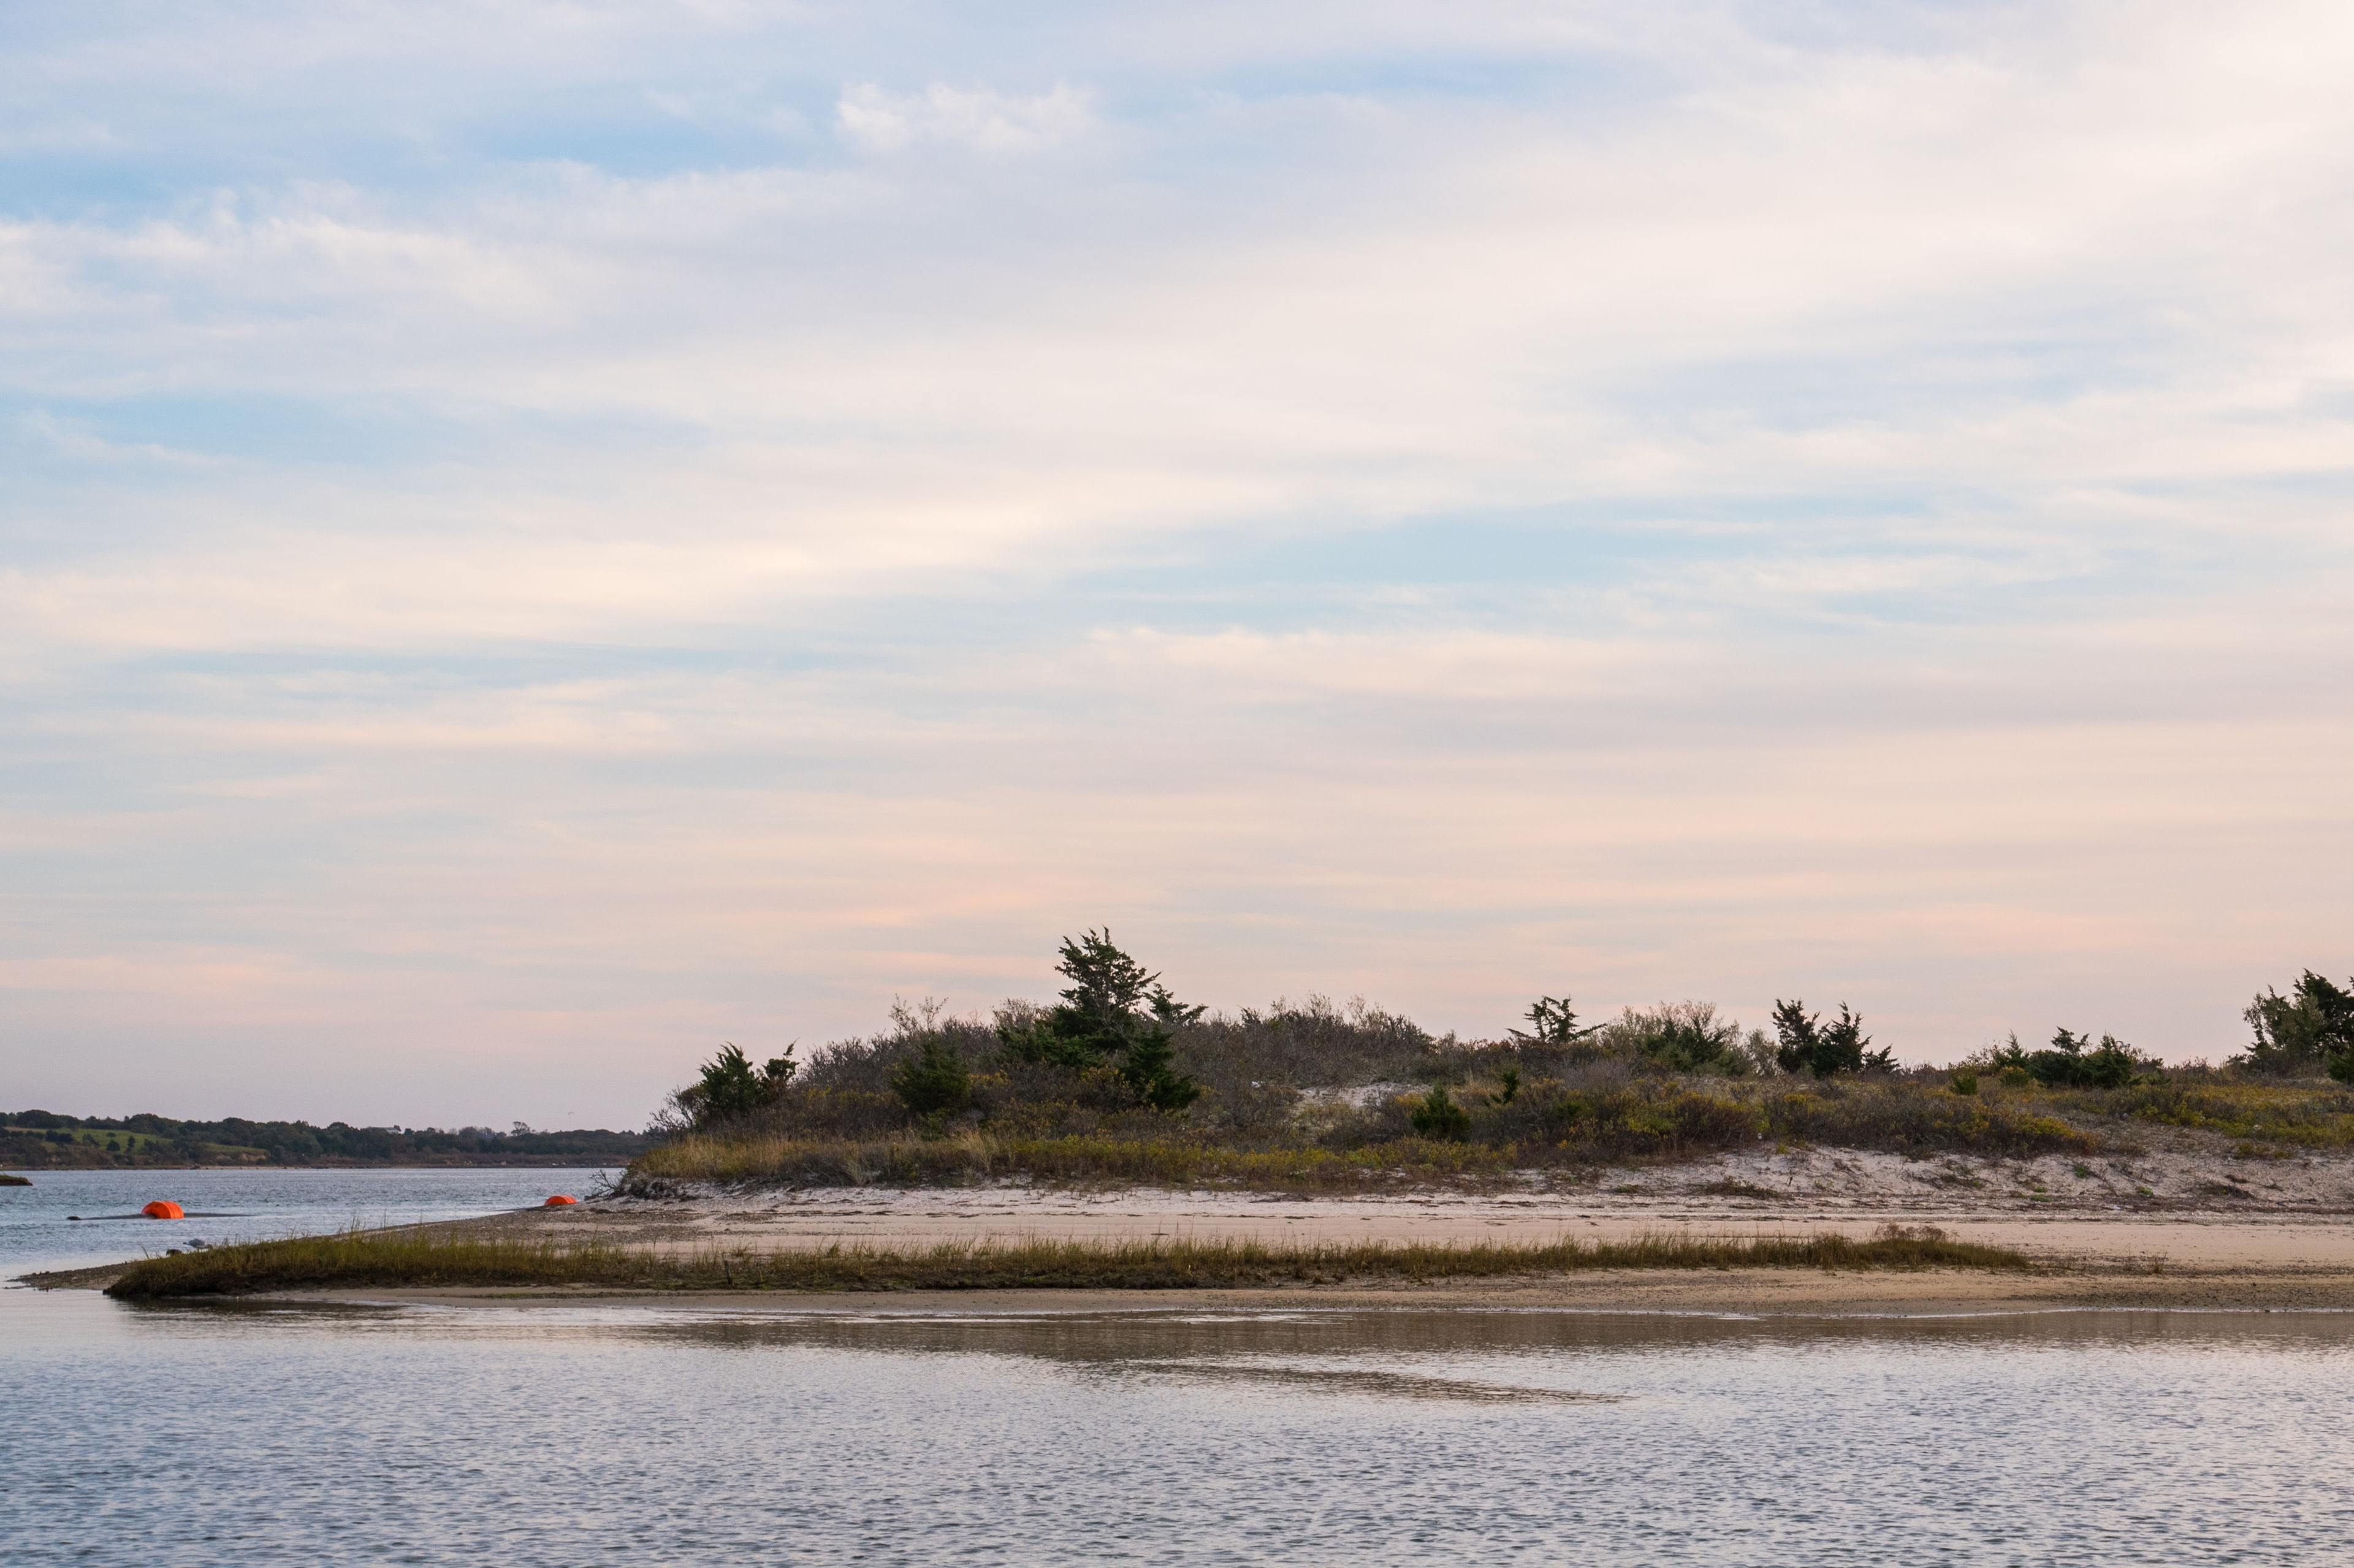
x: 381, y: 1260
x: 974, y: 1156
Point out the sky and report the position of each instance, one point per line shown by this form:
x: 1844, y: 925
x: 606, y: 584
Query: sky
x: 536, y: 538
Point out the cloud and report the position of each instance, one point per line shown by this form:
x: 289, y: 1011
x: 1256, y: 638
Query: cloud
x: 974, y: 119
x: 1436, y: 501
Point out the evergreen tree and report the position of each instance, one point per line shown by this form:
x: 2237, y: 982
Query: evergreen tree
x: 1551, y: 1023
x: 1797, y: 1033
x: 2311, y: 1028
x: 1804, y: 1043
x: 1145, y: 1066
x: 1840, y: 1048
x: 730, y: 1086
x: 1114, y: 1008
x: 1439, y: 1117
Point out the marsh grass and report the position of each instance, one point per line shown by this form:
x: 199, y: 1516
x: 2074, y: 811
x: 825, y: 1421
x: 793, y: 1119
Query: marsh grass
x: 380, y: 1260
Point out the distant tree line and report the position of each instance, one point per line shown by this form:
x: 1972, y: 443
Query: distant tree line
x: 52, y: 1139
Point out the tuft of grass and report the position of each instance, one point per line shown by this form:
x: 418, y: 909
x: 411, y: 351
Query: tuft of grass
x: 382, y: 1260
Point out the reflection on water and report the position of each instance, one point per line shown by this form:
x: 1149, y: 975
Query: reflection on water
x: 706, y: 1432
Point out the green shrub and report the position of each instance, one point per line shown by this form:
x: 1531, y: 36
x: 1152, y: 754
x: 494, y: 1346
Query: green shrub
x: 731, y: 1087
x: 1439, y: 1117
x: 2069, y: 1064
x: 1964, y: 1083
x: 1682, y: 1037
x: 1145, y: 1066
x: 935, y: 1083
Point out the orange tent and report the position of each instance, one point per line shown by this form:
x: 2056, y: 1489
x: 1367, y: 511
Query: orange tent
x: 162, y: 1209
x: 558, y: 1201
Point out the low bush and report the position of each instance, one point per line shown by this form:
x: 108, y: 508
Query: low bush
x: 1439, y: 1117
x: 1907, y: 1117
x: 935, y: 1081
x: 2320, y: 1117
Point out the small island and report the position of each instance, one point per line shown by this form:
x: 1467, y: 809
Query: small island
x: 1123, y: 1140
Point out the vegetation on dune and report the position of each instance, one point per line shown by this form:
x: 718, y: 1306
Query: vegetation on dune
x: 365, y: 1259
x: 1121, y: 1081
x: 1413, y: 1139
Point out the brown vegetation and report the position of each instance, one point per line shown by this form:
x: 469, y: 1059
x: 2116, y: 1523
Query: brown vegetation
x: 378, y: 1260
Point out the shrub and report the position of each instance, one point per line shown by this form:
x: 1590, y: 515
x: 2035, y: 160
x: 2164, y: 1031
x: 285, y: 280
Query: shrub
x: 1906, y: 1117
x: 1650, y: 1122
x: 1682, y: 1037
x: 2068, y: 1064
x: 731, y: 1087
x: 934, y: 1083
x: 1439, y: 1117
x: 1963, y: 1083
x: 1146, y: 1068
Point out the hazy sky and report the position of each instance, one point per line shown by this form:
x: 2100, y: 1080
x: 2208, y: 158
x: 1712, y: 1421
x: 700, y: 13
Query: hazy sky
x: 540, y: 537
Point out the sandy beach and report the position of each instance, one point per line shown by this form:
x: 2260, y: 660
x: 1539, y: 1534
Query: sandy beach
x: 2146, y: 1233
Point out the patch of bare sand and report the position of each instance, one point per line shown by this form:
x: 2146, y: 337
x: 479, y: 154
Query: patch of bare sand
x: 2182, y: 1229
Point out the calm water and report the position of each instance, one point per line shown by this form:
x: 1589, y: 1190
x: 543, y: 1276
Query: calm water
x: 241, y: 1205
x: 711, y: 1433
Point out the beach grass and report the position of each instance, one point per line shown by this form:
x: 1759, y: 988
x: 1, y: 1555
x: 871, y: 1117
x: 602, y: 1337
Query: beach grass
x: 761, y: 1160
x: 368, y: 1259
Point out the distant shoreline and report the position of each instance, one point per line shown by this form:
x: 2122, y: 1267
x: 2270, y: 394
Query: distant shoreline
x: 526, y: 1162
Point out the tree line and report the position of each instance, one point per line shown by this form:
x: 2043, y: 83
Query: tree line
x: 43, y: 1138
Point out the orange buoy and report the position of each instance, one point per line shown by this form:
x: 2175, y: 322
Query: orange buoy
x: 162, y: 1209
x: 558, y: 1201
